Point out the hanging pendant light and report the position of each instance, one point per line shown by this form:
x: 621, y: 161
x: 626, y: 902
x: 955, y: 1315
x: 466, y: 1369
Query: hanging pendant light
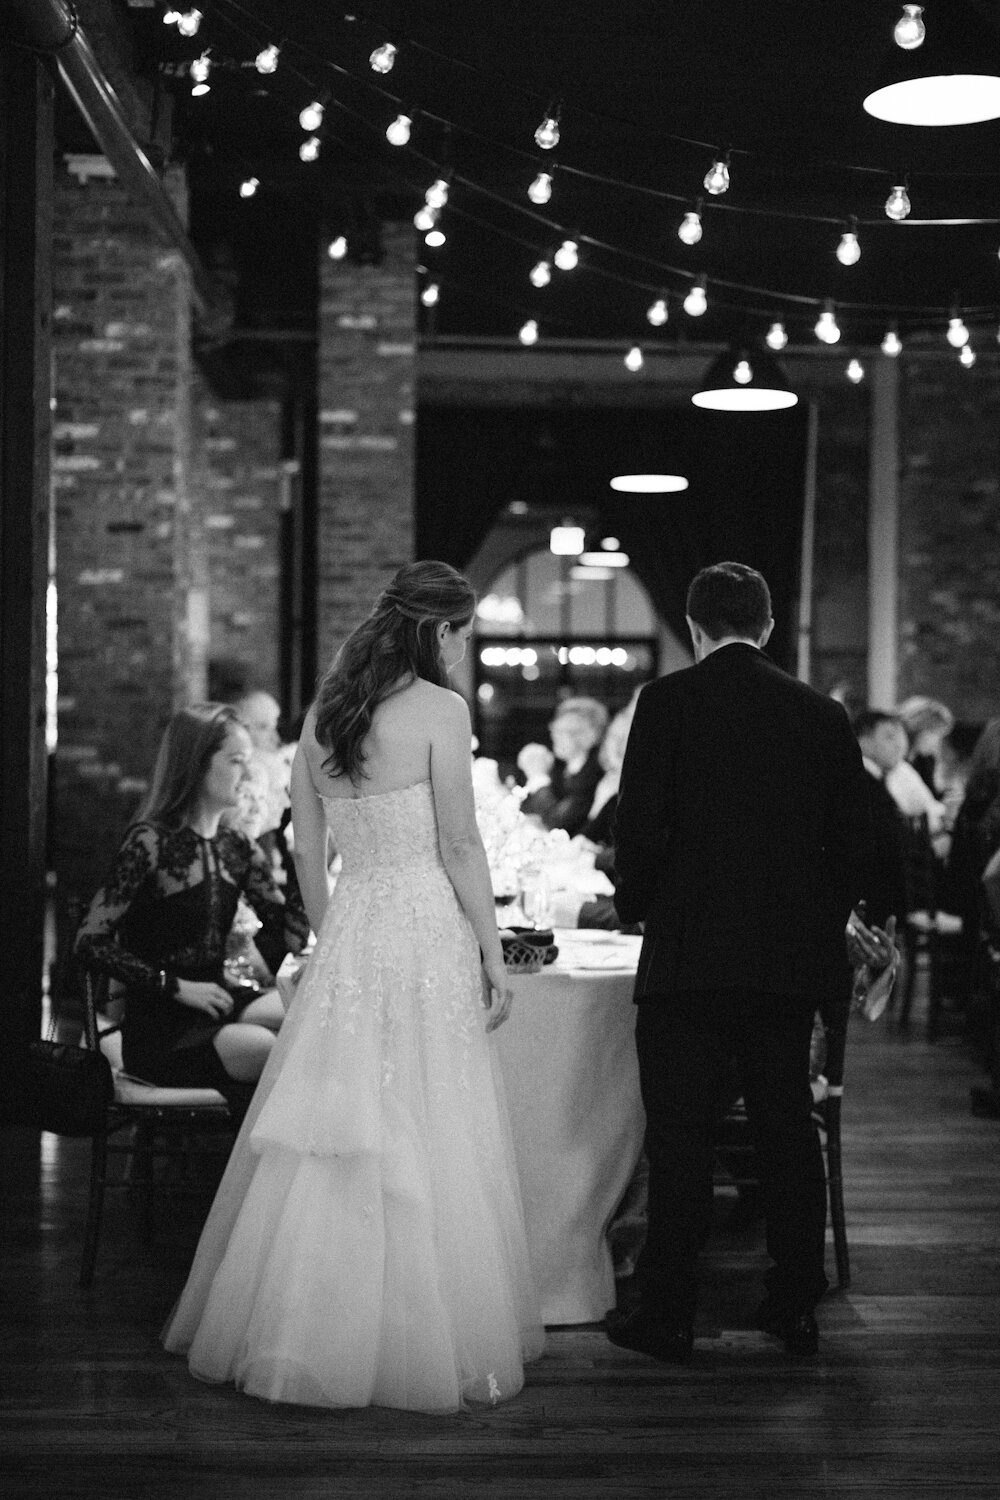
x: 933, y: 73
x: 744, y: 379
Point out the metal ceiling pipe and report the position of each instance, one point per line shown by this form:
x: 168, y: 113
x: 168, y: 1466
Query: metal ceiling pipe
x: 52, y: 26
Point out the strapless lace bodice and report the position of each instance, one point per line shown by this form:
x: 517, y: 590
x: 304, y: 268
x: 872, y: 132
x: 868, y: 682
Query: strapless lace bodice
x: 385, y: 831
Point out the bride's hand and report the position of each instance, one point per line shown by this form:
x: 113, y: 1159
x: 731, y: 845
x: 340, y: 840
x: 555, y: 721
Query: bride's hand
x: 499, y: 996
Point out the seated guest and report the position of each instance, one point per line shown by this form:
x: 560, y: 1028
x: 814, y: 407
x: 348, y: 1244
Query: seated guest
x: 926, y: 722
x: 599, y: 827
x: 259, y: 713
x: 561, y: 795
x: 161, y: 922
x: 908, y: 788
x: 882, y: 745
x: 976, y: 832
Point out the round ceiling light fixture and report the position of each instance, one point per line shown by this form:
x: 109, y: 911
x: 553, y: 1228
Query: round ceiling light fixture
x: 934, y: 75
x: 649, y: 484
x: 744, y: 379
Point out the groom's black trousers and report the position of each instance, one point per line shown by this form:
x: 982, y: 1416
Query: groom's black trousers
x: 687, y: 1044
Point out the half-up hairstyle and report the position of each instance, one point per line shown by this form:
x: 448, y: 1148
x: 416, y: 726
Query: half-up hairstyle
x: 393, y: 647
x: 191, y: 738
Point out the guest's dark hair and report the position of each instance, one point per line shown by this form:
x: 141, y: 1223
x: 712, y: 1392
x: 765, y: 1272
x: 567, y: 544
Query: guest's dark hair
x: 868, y: 720
x: 191, y: 738
x: 983, y: 774
x: 730, y: 599
x: 395, y: 645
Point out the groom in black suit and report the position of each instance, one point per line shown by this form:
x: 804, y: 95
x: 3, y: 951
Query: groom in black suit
x: 741, y: 840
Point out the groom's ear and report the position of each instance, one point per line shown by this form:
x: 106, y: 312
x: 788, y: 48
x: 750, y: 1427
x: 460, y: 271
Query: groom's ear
x: 767, y: 634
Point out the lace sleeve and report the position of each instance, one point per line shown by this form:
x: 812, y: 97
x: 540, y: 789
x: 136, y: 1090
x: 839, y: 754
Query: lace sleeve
x: 285, y: 925
x: 97, y: 941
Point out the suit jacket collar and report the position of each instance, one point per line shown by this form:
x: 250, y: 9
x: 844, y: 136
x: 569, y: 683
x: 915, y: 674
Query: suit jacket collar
x: 732, y: 652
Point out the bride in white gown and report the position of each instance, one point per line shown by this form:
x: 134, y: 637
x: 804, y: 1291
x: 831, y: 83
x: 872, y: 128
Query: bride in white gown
x: 367, y: 1245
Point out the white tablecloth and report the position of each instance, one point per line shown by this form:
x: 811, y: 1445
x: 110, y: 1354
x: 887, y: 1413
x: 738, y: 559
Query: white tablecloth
x: 568, y: 1059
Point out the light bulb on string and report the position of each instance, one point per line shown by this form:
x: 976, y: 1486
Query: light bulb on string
x: 337, y: 248
x: 827, y: 330
x: 567, y: 257
x: 171, y: 17
x: 435, y: 239
x: 690, y: 230
x: 967, y: 357
x: 696, y: 301
x: 398, y: 133
x: 249, y: 186
x: 431, y: 294
x: 547, y: 134
x: 540, y: 190
x: 897, y: 205
x: 200, y: 68
x: 188, y: 22
x: 909, y: 31
x: 717, y: 176
x: 382, y: 58
x: 436, y: 195
x: 633, y: 359
x: 892, y: 344
x: 776, y: 338
x: 528, y: 332
x: 849, y: 251
x: 425, y: 218
x: 540, y: 274
x: 311, y: 118
x: 742, y: 372
x: 266, y: 60
x: 657, y: 313
x: 309, y: 150
x: 200, y: 89
x: 958, y: 334
x: 855, y: 372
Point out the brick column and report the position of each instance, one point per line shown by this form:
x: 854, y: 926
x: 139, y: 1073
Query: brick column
x: 133, y: 612
x: 366, y: 487
x: 949, y: 533
x: 239, y: 481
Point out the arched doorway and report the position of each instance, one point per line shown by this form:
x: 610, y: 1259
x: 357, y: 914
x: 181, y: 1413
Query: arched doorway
x: 548, y: 628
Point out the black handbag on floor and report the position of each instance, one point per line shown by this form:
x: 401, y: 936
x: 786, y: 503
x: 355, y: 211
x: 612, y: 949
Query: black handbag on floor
x: 62, y: 1088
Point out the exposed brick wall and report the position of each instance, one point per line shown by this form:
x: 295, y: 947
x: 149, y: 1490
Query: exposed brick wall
x: 366, y: 373
x: 239, y: 482
x: 132, y: 633
x: 167, y: 517
x: 950, y: 532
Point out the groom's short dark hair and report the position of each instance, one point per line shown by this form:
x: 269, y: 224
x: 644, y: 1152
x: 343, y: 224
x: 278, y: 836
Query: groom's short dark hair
x: 730, y: 599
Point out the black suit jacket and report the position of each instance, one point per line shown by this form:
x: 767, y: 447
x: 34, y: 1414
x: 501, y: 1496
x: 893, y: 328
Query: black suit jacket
x: 742, y: 831
x: 885, y: 891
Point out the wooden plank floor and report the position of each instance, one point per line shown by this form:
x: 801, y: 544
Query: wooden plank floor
x: 903, y: 1400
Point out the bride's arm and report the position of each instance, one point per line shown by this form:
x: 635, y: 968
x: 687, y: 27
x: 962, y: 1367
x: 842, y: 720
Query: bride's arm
x: 310, y: 843
x: 461, y: 843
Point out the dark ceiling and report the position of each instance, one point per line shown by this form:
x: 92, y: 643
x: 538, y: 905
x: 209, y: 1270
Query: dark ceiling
x: 650, y: 91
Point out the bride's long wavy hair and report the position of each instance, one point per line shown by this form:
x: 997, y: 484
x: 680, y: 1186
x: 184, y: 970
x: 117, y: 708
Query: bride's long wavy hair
x: 396, y: 644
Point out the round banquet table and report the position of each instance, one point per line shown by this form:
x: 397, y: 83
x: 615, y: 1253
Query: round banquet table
x: 567, y: 1055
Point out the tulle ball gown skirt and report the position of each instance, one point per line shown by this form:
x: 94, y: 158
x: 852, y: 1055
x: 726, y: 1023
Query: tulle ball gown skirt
x: 367, y: 1245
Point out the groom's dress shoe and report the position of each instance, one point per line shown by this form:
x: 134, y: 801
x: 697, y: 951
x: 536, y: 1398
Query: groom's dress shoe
x: 798, y: 1331
x: 670, y: 1342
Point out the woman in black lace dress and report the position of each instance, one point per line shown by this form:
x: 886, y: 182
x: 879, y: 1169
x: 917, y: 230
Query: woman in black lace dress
x: 160, y: 923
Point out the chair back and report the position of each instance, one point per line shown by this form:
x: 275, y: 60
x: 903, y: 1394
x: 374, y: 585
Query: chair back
x: 835, y: 1016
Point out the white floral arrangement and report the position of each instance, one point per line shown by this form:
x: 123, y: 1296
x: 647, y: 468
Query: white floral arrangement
x: 516, y: 847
